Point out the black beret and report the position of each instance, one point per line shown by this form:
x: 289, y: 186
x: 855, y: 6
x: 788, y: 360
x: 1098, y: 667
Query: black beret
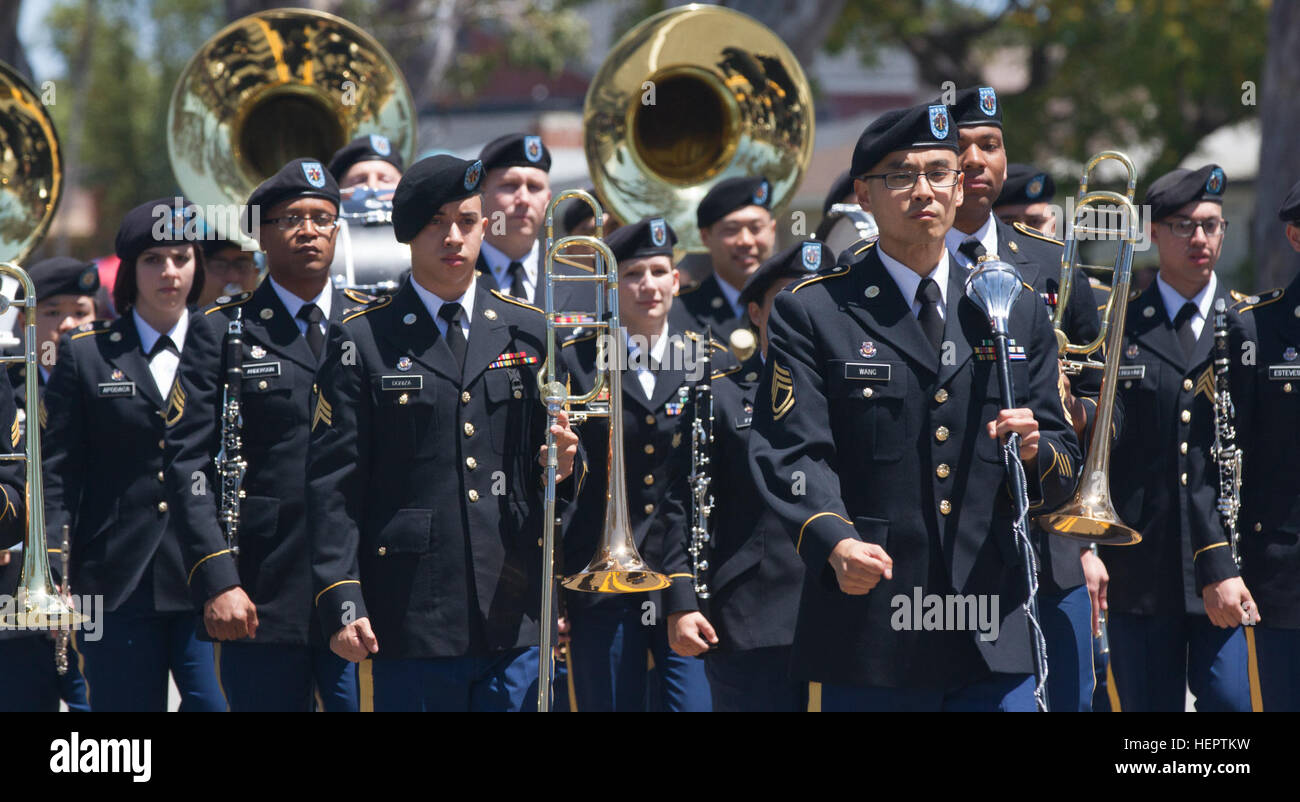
x: 801, y: 259
x: 577, y: 212
x: 372, y: 147
x: 516, y: 150
x: 300, y: 178
x: 1174, y: 190
x: 1289, y: 211
x: 165, y: 221
x: 977, y: 105
x: 211, y: 246
x: 727, y: 196
x: 63, y: 275
x: 651, y: 236
x: 1025, y: 184
x: 920, y: 127
x: 843, y: 186
x: 428, y: 185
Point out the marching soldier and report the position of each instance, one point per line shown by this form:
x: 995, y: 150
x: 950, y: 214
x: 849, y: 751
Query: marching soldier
x: 755, y: 576
x: 367, y: 161
x: 1268, y: 432
x: 106, y: 399
x: 737, y: 227
x: 876, y: 442
x: 1027, y: 199
x: 1176, y: 598
x: 1070, y: 573
x: 65, y: 300
x: 611, y: 633
x: 426, y: 492
x: 228, y: 270
x: 257, y: 602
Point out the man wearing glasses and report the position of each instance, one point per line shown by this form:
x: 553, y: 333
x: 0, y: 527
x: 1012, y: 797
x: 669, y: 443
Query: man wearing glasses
x: 257, y: 603
x: 876, y: 442
x: 1176, y: 600
x: 228, y: 270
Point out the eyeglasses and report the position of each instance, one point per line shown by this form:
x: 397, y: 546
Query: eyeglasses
x: 1186, y: 228
x: 907, y: 180
x: 323, y: 222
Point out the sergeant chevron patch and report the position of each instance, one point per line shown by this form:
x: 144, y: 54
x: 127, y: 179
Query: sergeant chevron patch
x: 782, y: 391
x: 43, y: 414
x: 324, y: 413
x: 1205, y: 383
x: 15, y: 431
x: 175, y: 405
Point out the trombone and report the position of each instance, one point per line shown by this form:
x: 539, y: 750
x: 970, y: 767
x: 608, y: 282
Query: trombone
x: 1090, y: 515
x: 616, y: 567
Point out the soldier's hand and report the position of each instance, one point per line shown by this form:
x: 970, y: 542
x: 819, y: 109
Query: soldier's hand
x: 1021, y: 421
x: 230, y: 615
x: 355, y: 642
x: 1078, y: 412
x: 1098, y: 580
x: 566, y: 442
x: 5, y: 556
x: 690, y: 633
x: 563, y: 639
x: 1228, y: 603
x: 859, y: 566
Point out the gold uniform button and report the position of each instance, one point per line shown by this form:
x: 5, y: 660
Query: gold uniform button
x: 941, y: 396
x: 262, y: 385
x: 404, y: 399
x: 1186, y: 416
x: 473, y: 494
x: 162, y: 506
x: 1286, y: 388
x: 1259, y: 527
x: 1187, y: 384
x: 160, y: 476
x: 649, y: 448
x: 867, y: 392
x: 1182, y: 447
x: 945, y: 506
x: 469, y: 429
x: 649, y: 508
x: 518, y: 394
x: 464, y: 397
x: 650, y: 420
x: 471, y: 463
x: 649, y: 479
x: 942, y: 471
x: 383, y: 550
x: 162, y: 443
x: 539, y: 541
x: 1182, y: 480
x: 941, y: 434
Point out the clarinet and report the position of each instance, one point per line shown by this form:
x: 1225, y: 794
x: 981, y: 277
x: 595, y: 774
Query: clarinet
x: 1225, y: 450
x: 700, y: 481
x: 230, y: 463
x: 64, y: 637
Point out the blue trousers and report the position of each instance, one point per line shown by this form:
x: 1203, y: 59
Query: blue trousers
x: 29, y: 682
x: 273, y: 677
x: 754, y: 681
x: 1067, y: 626
x: 1155, y: 659
x: 1002, y: 693
x: 505, y: 682
x: 126, y: 669
x: 1277, y: 655
x: 609, y: 664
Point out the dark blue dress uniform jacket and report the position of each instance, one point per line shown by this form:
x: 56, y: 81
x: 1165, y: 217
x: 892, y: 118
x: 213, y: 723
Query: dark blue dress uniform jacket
x: 104, y: 444
x: 1163, y: 480
x: 862, y: 430
x: 279, y: 374
x: 704, y: 308
x: 426, y: 492
x: 13, y: 507
x: 1267, y: 397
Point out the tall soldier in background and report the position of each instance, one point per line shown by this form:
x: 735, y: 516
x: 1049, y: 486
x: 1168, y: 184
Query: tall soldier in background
x: 736, y: 225
x: 1176, y: 599
x: 228, y: 270
x: 1267, y: 396
x: 258, y: 602
x: 754, y: 576
x: 1026, y: 198
x: 876, y: 442
x: 516, y: 191
x: 1070, y: 572
x: 367, y: 161
x: 65, y: 300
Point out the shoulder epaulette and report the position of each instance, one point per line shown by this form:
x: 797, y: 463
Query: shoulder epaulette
x: 511, y: 300
x: 93, y: 327
x: 359, y: 296
x: 863, y: 249
x: 718, y: 374
x: 1036, y: 234
x: 1133, y: 295
x: 716, y: 344
x: 581, y: 339
x: 227, y: 301
x: 837, y: 272
x: 689, y: 290
x: 1248, y: 302
x: 378, y: 303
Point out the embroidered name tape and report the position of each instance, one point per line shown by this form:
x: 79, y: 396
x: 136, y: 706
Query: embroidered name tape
x: 510, y: 360
x: 401, y: 382
x: 1132, y: 371
x: 867, y: 372
x: 1276, y: 373
x: 258, y: 369
x: 116, y: 389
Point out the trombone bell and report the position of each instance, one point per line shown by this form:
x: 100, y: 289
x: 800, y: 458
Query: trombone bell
x: 1090, y: 517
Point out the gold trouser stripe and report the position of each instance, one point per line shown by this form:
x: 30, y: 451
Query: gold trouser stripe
x: 814, y: 697
x: 1252, y: 669
x: 1111, y: 690
x: 649, y: 660
x: 316, y: 602
x: 81, y: 666
x: 216, y: 666
x: 320, y: 703
x: 366, y: 683
x: 573, y: 693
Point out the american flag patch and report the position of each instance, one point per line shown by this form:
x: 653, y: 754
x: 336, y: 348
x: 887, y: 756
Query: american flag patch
x: 510, y: 360
x: 986, y: 351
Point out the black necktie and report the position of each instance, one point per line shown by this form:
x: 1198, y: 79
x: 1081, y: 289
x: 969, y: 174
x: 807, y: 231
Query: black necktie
x: 1183, y: 327
x: 315, y: 337
x: 455, y: 337
x: 927, y: 293
x: 163, y: 343
x: 972, y: 249
x: 516, y: 273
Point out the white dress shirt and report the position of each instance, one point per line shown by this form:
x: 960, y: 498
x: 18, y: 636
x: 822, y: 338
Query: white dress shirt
x: 987, y: 234
x: 644, y: 374
x: 164, y: 363
x: 293, y: 303
x: 433, y: 303
x: 1174, y: 301
x: 907, y: 280
x: 499, y: 264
